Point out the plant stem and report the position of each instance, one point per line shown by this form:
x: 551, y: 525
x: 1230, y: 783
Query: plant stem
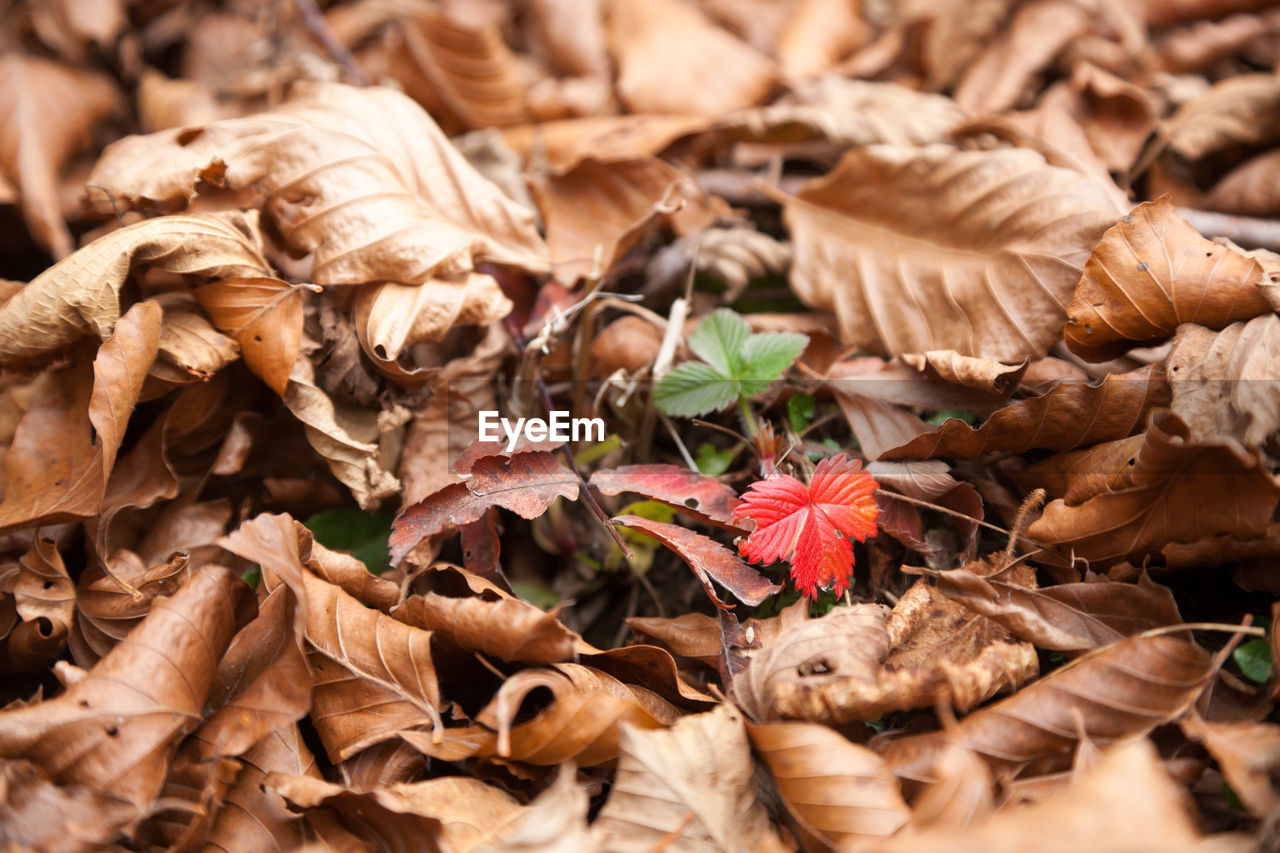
x: 748, y: 418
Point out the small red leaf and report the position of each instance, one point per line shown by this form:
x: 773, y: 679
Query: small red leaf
x: 704, y: 498
x: 811, y: 526
x: 707, y: 558
x: 526, y: 484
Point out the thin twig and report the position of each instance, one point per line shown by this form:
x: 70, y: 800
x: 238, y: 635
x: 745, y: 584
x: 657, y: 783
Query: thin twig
x: 1247, y: 231
x: 314, y: 20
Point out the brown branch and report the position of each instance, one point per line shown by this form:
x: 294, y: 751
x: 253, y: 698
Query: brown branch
x: 1247, y: 231
x: 314, y: 20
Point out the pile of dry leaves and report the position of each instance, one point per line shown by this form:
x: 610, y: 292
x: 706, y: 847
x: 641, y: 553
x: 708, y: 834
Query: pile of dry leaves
x: 957, y: 319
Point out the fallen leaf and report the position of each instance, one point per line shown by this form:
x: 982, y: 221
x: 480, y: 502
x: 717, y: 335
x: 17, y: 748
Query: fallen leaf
x: 1070, y: 415
x: 838, y: 791
x: 526, y: 484
x: 598, y: 210
x: 1129, y: 800
x: 956, y: 283
x: 508, y: 628
x: 49, y: 111
x: 1250, y: 189
x: 264, y: 315
x: 81, y: 294
x: 690, y: 787
x: 190, y: 348
x: 1115, y: 693
x: 671, y: 59
x: 1066, y: 617
x: 43, y: 589
x: 116, y: 729
x: 66, y: 447
x: 1225, y: 383
x: 1237, y: 111
x: 937, y: 652
x: 555, y: 822
x: 848, y: 641
x: 708, y: 559
x: 983, y: 374
x: 1153, y: 271
x: 569, y: 141
x: 1035, y: 35
x: 394, y: 824
x: 1162, y: 488
x: 811, y: 526
x: 1248, y: 754
x: 702, y: 497
x: 695, y: 636
x: 39, y: 815
x: 372, y: 187
x: 106, y: 611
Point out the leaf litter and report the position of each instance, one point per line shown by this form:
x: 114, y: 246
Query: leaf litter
x: 996, y: 280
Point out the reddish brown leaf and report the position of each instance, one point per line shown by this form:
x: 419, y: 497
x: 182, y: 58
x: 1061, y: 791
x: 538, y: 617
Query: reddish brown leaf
x: 526, y: 484
x: 506, y: 627
x: 704, y: 498
x: 708, y: 559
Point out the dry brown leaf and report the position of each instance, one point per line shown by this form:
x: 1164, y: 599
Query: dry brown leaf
x: 394, y: 823
x: 849, y: 113
x: 503, y: 626
x: 1240, y: 110
x: 371, y: 646
x: 919, y: 249
x: 960, y: 797
x: 1153, y: 271
x: 671, y: 59
x: 818, y: 34
x: 695, y: 636
x: 49, y: 110
x: 1128, y: 802
x: 42, y: 588
x: 1116, y: 116
x: 839, y: 792
x: 566, y: 143
x: 264, y: 315
x: 1225, y: 383
x: 106, y: 611
x: 848, y: 641
x: 1248, y: 754
x: 262, y: 684
x: 582, y: 723
x: 1005, y: 70
x: 1065, y: 617
x: 65, y: 448
x: 984, y: 374
x: 190, y: 348
x: 355, y: 579
x: 473, y: 72
x: 878, y: 425
x: 346, y: 436
x: 1071, y: 415
x: 39, y: 815
x: 115, y: 729
x: 1250, y: 189
x: 1114, y: 693
x: 1153, y: 490
x: 938, y: 652
x: 81, y: 294
x: 555, y: 822
x: 598, y: 210
x: 690, y: 787
x: 372, y: 187
x: 629, y: 344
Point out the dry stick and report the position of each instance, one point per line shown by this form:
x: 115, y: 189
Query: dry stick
x: 583, y: 489
x: 1246, y: 230
x: 315, y: 22
x: 917, y: 502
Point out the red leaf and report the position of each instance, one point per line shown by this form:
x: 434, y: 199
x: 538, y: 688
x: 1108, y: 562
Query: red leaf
x: 704, y: 498
x: 707, y: 558
x: 811, y: 526
x: 526, y: 484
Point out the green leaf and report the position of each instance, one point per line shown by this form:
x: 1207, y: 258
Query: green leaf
x: 719, y: 341
x: 361, y: 534
x: 1254, y: 659
x: 253, y: 577
x: 713, y: 462
x: 694, y: 389
x: 938, y: 417
x: 800, y: 409
x: 766, y: 356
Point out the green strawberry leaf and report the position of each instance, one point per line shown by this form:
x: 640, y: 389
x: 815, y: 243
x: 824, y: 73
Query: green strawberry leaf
x: 766, y: 356
x: 1254, y: 659
x: 713, y: 462
x: 719, y: 340
x: 694, y: 389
